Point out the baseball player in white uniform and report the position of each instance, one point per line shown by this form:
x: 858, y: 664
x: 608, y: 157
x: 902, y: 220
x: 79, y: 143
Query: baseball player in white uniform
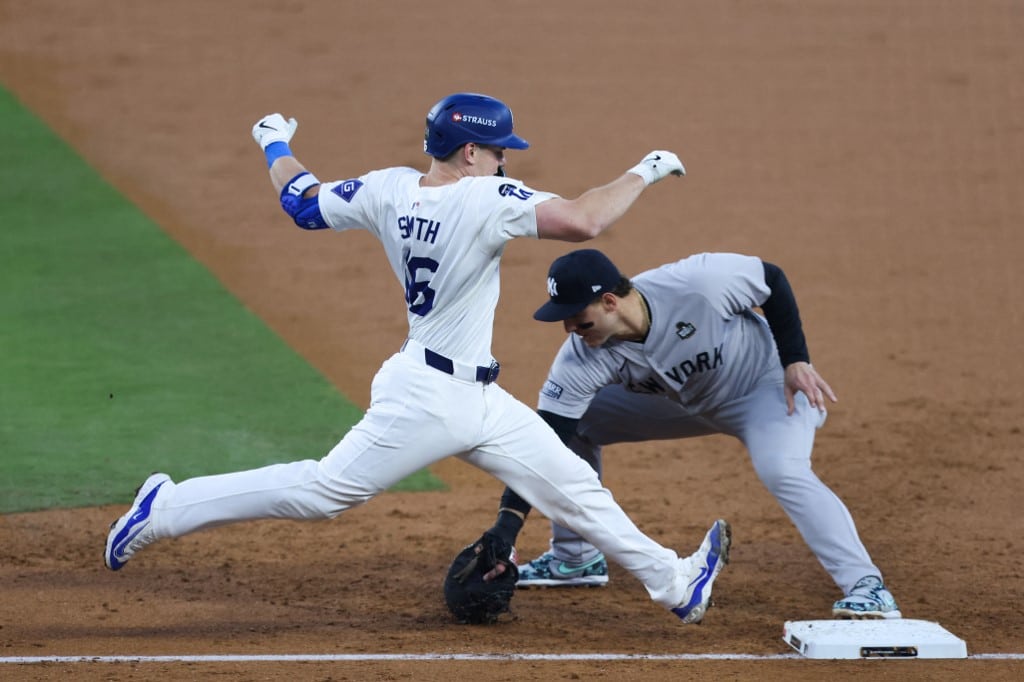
x: 443, y: 232
x: 679, y: 352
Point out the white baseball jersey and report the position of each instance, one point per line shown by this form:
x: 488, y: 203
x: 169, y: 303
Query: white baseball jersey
x: 705, y: 346
x: 444, y: 245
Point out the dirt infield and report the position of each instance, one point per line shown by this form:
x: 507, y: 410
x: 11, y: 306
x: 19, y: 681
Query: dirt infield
x: 873, y: 149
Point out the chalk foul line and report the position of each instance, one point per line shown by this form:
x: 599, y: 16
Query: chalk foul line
x: 312, y: 658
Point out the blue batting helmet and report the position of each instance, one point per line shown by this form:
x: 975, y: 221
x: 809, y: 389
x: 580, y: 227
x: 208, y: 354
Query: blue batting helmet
x: 469, y: 117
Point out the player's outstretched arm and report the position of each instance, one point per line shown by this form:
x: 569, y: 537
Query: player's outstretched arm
x: 783, y: 315
x: 273, y: 133
x: 297, y: 187
x: 594, y: 211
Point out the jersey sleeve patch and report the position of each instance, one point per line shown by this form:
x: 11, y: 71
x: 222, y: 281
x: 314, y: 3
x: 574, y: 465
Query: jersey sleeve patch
x: 347, y: 189
x: 510, y: 190
x: 551, y: 390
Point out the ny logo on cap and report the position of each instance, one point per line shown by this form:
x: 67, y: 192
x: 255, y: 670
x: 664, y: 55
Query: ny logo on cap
x: 552, y: 287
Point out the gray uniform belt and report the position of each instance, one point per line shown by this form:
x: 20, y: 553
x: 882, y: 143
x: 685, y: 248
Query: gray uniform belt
x: 484, y: 375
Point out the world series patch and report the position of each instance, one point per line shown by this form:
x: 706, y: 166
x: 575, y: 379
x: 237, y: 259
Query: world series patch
x: 685, y: 330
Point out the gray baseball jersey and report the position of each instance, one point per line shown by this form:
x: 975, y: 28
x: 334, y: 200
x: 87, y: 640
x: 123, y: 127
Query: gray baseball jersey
x: 708, y: 365
x: 705, y: 346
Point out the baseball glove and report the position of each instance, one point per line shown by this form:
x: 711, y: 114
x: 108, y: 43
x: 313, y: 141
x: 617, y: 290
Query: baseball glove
x: 471, y: 599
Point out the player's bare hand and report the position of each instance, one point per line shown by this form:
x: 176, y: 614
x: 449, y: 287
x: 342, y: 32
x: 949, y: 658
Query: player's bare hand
x: 498, y: 569
x: 801, y: 377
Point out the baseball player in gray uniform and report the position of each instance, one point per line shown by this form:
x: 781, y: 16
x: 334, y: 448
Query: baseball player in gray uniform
x: 443, y: 233
x: 679, y: 352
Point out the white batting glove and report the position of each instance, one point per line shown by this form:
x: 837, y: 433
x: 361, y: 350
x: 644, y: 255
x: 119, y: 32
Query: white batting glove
x: 657, y: 165
x: 273, y: 128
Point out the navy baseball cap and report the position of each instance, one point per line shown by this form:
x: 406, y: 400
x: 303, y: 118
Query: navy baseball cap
x: 574, y: 281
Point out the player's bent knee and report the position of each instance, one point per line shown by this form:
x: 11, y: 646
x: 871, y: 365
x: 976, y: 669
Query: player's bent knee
x: 779, y: 474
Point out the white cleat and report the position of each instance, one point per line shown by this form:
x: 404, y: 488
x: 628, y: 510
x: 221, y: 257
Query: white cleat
x: 711, y: 558
x: 132, y: 532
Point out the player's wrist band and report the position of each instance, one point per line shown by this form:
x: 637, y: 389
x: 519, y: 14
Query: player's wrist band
x: 275, y: 150
x: 508, y: 525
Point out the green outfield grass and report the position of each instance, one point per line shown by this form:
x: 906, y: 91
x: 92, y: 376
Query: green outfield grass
x: 121, y: 355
